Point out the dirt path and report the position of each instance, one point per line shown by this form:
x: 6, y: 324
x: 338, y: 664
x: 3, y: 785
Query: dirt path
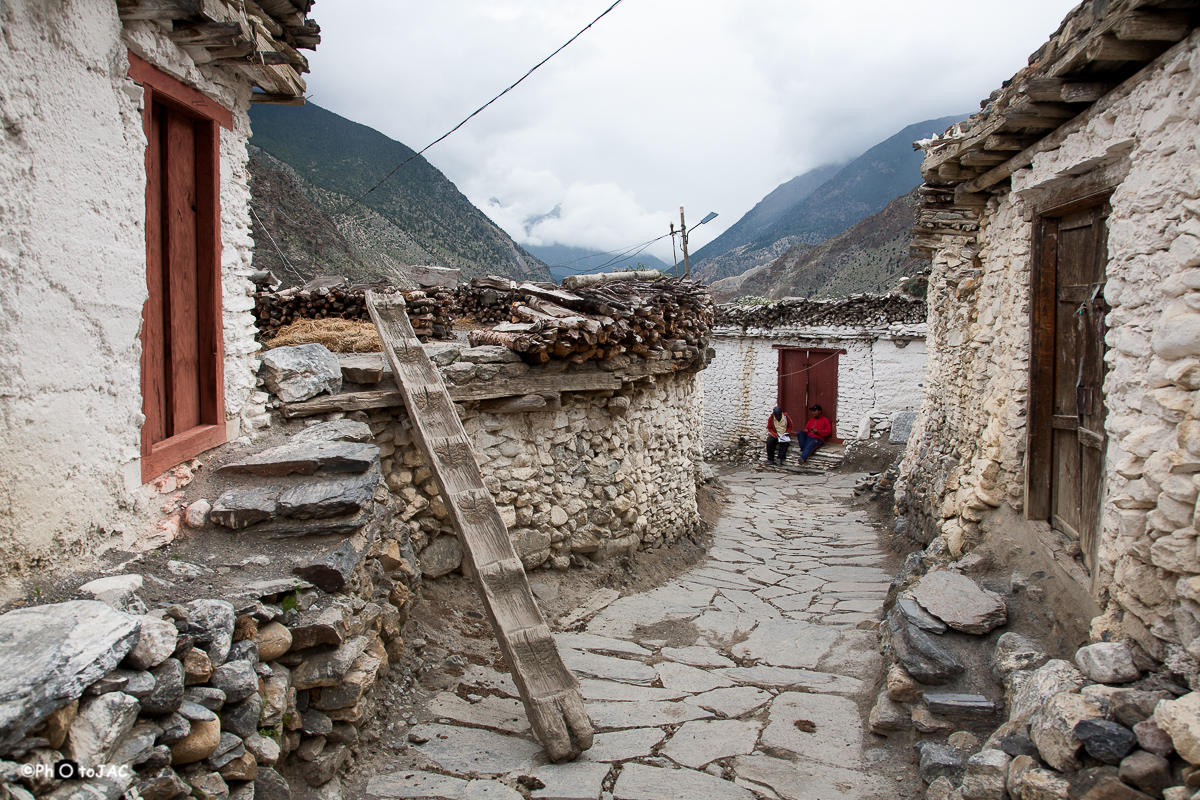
x: 749, y: 675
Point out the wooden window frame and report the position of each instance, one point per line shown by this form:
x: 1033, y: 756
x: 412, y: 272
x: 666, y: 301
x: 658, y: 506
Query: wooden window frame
x: 1089, y: 191
x: 158, y: 457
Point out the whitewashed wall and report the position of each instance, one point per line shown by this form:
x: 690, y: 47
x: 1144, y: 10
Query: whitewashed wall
x: 968, y: 450
x: 73, y: 269
x: 880, y: 373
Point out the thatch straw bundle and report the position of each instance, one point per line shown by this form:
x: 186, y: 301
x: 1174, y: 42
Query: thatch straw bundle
x: 339, y: 335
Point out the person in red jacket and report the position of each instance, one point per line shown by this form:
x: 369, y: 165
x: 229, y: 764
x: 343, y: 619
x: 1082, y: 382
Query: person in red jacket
x: 814, y: 434
x: 779, y: 435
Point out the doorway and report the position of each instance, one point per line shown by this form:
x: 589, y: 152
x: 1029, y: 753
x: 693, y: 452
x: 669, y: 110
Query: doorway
x: 808, y: 377
x: 1067, y: 437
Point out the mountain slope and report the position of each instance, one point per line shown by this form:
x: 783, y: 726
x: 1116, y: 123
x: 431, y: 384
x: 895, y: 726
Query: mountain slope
x: 768, y: 210
x: 870, y: 256
x: 854, y: 192
x: 564, y: 260
x: 313, y: 164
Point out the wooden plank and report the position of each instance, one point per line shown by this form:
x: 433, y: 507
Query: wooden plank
x: 548, y: 690
x: 982, y: 158
x: 275, y: 98
x: 208, y: 264
x: 1147, y: 26
x: 1058, y: 90
x: 154, y: 371
x: 173, y: 91
x: 1064, y: 422
x: 1055, y: 139
x: 1110, y: 48
x: 1041, y: 369
x: 182, y: 281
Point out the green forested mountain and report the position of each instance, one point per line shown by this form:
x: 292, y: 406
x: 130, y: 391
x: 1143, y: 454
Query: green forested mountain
x: 309, y: 164
x: 857, y: 190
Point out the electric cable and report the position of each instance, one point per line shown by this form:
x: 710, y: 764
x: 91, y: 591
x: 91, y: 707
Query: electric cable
x: 481, y: 108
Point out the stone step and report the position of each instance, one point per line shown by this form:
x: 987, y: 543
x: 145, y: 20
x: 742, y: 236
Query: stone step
x: 312, y: 498
x: 307, y: 457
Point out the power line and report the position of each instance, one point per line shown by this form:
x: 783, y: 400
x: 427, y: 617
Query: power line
x: 482, y: 107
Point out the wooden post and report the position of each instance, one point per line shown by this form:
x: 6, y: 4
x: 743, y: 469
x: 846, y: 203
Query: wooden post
x: 687, y: 267
x: 548, y: 689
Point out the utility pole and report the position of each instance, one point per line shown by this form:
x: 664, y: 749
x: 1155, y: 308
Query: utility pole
x: 687, y: 267
x: 674, y: 257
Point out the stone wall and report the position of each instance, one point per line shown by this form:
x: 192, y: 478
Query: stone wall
x: 604, y: 475
x: 879, y: 374
x: 967, y: 452
x: 73, y: 260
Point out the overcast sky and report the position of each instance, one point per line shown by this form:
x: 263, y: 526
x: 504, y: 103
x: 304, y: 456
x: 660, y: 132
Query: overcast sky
x: 708, y: 104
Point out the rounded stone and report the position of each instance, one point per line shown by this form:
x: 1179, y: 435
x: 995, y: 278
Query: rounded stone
x: 273, y: 640
x: 197, y: 745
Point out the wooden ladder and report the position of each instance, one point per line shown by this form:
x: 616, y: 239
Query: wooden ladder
x: 548, y: 689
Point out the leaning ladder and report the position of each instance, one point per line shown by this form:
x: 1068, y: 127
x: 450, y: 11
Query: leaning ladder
x: 548, y: 689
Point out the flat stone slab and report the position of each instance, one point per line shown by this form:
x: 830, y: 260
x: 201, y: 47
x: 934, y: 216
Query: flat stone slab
x: 498, y: 713
x: 306, y: 458
x: 602, y: 644
x: 956, y: 704
x: 432, y: 786
x: 581, y: 780
x: 722, y: 627
x: 488, y: 678
x: 960, y: 602
x: 642, y: 715
x: 785, y: 678
x: 732, y: 702
x: 469, y: 751
x: 787, y: 643
x: 330, y: 497
x: 593, y: 665
x: 689, y: 679
x: 829, y: 730
x: 624, y: 692
x: 805, y: 780
x: 640, y: 782
x: 241, y: 508
x: 918, y: 616
x: 338, y: 430
x: 696, y: 656
x: 921, y: 655
x: 623, y: 745
x: 702, y: 741
x: 51, y: 653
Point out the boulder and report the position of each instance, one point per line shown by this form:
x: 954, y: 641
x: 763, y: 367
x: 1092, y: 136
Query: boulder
x: 270, y: 785
x: 328, y: 669
x: 119, y: 592
x: 301, y: 371
x: 206, y: 696
x: 273, y: 640
x: 1014, y: 652
x: 1106, y: 741
x: 1052, y: 729
x: 162, y: 784
x: 101, y: 723
x: 985, y: 776
x: 197, y: 667
x: 51, y: 653
x: 199, y: 744
x: 919, y: 654
x: 441, y: 556
x: 196, y: 514
x: 1180, y: 719
x: 323, y: 767
x: 168, y: 688
x: 888, y: 716
x: 209, y: 786
x: 242, y: 719
x: 1043, y: 784
x: 1052, y: 678
x: 1107, y: 662
x: 939, y: 760
x: 960, y: 602
x: 175, y: 728
x: 1149, y: 772
x: 918, y: 616
x: 1131, y: 706
x: 212, y: 622
x: 901, y: 688
x: 156, y: 642
x: 1153, y: 738
x: 194, y: 712
x: 237, y: 679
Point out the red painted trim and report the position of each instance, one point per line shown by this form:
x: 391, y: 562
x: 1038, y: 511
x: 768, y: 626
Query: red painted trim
x: 178, y: 93
x: 174, y: 451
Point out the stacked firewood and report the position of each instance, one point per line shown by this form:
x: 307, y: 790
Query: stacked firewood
x: 602, y: 321
x: 487, y: 300
x: 857, y: 310
x: 431, y: 310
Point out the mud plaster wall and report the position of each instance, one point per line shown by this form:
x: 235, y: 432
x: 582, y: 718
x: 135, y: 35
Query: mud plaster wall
x: 588, y: 480
x: 73, y: 267
x: 968, y: 449
x: 880, y: 373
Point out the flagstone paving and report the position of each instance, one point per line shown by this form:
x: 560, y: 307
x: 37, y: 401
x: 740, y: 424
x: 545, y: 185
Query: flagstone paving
x: 747, y: 677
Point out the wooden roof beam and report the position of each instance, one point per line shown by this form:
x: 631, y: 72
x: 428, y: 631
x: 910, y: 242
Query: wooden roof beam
x: 1057, y: 90
x: 1149, y: 26
x: 1110, y: 48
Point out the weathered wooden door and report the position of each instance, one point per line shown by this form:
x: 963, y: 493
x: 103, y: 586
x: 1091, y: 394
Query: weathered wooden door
x: 1070, y: 381
x: 182, y: 338
x: 808, y: 377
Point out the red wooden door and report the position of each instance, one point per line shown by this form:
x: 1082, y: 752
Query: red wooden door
x: 182, y: 340
x: 808, y: 377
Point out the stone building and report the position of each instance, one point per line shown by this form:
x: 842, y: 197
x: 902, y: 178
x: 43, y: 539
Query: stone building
x: 1063, y: 226
x: 862, y: 359
x: 125, y: 248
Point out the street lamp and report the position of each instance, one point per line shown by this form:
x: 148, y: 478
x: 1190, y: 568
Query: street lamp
x: 683, y: 233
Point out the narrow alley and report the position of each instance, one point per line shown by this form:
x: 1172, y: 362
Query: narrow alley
x: 748, y: 676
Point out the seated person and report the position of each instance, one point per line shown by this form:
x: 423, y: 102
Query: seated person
x: 814, y: 434
x: 779, y: 435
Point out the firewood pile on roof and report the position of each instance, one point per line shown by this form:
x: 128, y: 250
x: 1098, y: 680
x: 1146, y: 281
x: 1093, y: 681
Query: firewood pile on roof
x: 1088, y: 63
x: 261, y: 38
x: 862, y: 310
x: 431, y: 310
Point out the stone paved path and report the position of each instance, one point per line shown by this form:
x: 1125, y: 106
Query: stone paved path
x: 748, y: 676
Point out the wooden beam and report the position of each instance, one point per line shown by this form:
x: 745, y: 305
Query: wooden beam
x: 1036, y: 115
x: 209, y: 34
x: 1055, y: 139
x: 272, y: 98
x: 1007, y: 141
x: 1057, y: 90
x: 1110, y: 48
x: 1148, y: 26
x: 550, y: 693
x: 271, y: 58
x: 981, y: 158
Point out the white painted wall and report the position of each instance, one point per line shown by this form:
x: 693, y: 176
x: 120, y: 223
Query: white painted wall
x: 72, y: 270
x: 880, y: 373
